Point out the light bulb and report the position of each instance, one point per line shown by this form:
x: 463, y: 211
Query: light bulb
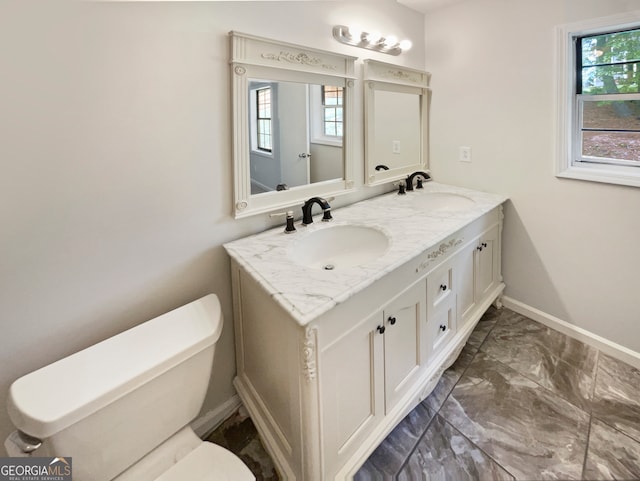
x: 355, y: 33
x: 373, y: 37
x: 406, y: 44
x: 390, y: 41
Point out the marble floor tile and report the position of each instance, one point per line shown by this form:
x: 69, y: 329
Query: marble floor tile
x: 616, y: 398
x: 239, y: 435
x: 389, y: 457
x: 611, y: 454
x: 449, y: 378
x: 445, y: 454
x: 527, y: 429
x: 484, y: 326
x: 562, y: 364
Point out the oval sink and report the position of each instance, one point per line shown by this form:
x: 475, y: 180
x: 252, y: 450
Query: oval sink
x: 442, y: 202
x: 339, y: 246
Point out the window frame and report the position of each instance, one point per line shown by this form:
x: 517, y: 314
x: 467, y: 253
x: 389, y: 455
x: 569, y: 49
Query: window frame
x: 259, y: 120
x: 569, y: 105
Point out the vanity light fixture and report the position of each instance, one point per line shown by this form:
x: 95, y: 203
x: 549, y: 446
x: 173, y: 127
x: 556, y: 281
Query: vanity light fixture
x: 372, y: 41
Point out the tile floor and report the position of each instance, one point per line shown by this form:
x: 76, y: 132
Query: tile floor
x: 522, y: 401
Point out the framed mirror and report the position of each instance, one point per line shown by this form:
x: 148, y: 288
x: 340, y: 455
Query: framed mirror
x: 396, y: 107
x: 292, y: 123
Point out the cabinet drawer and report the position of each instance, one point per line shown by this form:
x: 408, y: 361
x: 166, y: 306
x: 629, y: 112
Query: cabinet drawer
x: 440, y: 287
x: 441, y: 326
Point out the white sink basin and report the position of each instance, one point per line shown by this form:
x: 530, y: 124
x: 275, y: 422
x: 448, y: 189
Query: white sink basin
x: 441, y: 202
x: 339, y: 246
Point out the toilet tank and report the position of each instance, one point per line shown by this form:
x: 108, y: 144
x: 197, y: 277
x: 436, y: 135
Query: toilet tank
x: 112, y: 403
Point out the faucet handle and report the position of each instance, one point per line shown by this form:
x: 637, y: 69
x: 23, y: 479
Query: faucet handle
x: 401, y: 187
x: 290, y: 228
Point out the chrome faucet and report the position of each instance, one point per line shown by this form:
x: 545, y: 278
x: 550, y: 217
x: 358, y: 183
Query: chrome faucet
x: 415, y: 174
x: 306, y: 210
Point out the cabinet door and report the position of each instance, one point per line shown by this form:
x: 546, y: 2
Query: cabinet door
x: 487, y: 276
x: 404, y: 321
x: 351, y: 372
x: 466, y: 266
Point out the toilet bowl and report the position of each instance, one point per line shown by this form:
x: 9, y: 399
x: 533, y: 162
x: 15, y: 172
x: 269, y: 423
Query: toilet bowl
x: 121, y: 408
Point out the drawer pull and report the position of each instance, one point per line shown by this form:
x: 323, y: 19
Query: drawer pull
x: 479, y: 248
x: 443, y: 327
x: 443, y: 287
x: 381, y: 329
x: 392, y: 320
x: 484, y: 244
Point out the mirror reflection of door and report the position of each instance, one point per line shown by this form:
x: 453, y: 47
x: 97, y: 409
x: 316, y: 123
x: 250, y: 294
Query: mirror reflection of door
x: 293, y: 104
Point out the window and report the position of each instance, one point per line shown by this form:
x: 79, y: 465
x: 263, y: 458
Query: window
x: 332, y: 110
x: 263, y: 119
x: 599, y: 95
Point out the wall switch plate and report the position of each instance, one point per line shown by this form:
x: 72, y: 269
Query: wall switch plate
x: 464, y: 154
x: 395, y: 146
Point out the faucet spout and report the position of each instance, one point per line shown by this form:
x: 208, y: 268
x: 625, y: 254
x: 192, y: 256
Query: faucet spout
x: 306, y: 210
x: 424, y: 175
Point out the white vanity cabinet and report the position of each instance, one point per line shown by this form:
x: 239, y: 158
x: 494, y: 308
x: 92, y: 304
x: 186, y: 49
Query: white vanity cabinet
x: 478, y: 264
x: 365, y: 371
x: 324, y: 393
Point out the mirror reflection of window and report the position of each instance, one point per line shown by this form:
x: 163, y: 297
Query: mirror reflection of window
x: 326, y: 107
x: 264, y: 131
x: 332, y: 110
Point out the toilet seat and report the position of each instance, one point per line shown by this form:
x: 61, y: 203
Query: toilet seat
x: 208, y: 462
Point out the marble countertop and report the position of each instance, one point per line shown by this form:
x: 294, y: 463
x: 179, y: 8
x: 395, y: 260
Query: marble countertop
x: 307, y: 293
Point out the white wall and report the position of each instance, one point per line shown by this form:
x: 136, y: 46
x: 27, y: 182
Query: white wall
x: 570, y: 247
x: 116, y: 171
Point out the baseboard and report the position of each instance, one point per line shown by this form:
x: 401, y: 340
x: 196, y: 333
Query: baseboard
x: 205, y: 424
x: 605, y: 345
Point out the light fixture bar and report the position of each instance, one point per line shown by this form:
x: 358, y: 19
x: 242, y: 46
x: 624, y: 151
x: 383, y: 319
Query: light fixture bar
x: 370, y: 41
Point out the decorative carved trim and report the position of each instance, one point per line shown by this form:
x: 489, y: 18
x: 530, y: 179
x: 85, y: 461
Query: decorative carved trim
x: 442, y: 249
x: 400, y: 75
x: 241, y: 205
x: 298, y: 58
x: 240, y: 70
x: 309, y: 354
x: 350, y: 83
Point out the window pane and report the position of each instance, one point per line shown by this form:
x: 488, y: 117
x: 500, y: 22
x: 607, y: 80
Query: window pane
x: 330, y: 128
x: 611, y: 79
x: 611, y: 48
x: 612, y: 145
x: 617, y: 114
x: 331, y: 95
x: 263, y: 100
x: 610, y: 62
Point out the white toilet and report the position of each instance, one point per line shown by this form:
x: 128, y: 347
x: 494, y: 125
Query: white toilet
x: 121, y: 408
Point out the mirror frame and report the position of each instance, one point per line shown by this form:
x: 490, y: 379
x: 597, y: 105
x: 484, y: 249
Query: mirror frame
x: 393, y: 78
x: 262, y: 58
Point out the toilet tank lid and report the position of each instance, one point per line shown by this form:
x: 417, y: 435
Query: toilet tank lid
x: 56, y: 396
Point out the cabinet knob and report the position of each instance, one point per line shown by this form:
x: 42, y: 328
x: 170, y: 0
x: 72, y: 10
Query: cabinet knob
x: 381, y: 329
x: 443, y: 287
x: 484, y: 244
x: 392, y: 320
x: 443, y: 327
x: 479, y: 248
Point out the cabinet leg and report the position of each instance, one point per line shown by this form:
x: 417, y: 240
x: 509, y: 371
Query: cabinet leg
x: 498, y: 302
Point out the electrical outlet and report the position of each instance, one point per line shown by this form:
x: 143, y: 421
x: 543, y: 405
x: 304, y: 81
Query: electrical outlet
x: 395, y: 146
x: 465, y: 154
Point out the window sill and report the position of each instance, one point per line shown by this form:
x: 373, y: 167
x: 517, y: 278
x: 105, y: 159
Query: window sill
x: 327, y: 141
x: 603, y: 173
